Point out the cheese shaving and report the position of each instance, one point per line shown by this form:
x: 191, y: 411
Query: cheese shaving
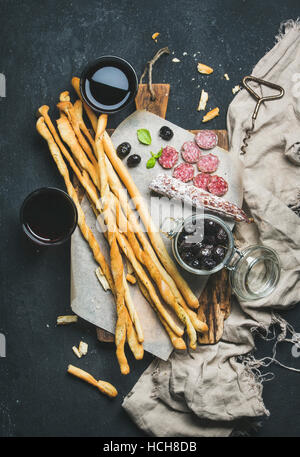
x: 203, y: 100
x: 226, y: 76
x: 76, y: 352
x: 65, y: 320
x: 236, y: 89
x: 83, y: 348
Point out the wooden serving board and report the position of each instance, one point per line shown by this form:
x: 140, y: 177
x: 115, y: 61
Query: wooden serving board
x: 215, y: 299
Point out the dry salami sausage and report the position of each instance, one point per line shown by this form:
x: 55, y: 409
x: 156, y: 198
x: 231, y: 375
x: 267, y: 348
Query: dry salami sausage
x: 217, y: 186
x: 208, y: 163
x: 173, y: 188
x: 206, y: 139
x: 201, y: 180
x: 184, y: 172
x: 169, y: 157
x: 190, y: 152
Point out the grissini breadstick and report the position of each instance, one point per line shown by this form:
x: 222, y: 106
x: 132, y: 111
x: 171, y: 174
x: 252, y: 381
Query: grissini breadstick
x: 69, y: 137
x: 176, y: 341
x: 90, y: 114
x: 67, y: 108
x: 153, y: 233
x: 104, y: 387
x: 132, y: 311
x: 115, y: 256
x: 64, y: 96
x: 83, y: 128
x: 86, y: 231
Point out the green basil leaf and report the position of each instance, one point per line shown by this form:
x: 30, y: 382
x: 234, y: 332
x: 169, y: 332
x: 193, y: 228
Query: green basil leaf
x: 157, y: 156
x: 151, y: 162
x: 144, y: 136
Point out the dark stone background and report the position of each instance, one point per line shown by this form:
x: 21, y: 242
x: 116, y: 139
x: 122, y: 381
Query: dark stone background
x: 44, y: 43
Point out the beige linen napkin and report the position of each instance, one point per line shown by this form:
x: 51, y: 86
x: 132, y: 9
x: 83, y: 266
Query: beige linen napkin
x: 208, y: 392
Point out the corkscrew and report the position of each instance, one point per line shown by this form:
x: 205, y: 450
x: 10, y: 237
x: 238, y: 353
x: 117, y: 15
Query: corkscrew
x: 259, y: 101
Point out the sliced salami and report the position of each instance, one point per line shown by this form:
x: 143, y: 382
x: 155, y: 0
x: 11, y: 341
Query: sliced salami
x: 172, y: 188
x: 190, y: 152
x: 169, y: 157
x: 208, y: 163
x: 184, y: 172
x: 206, y: 139
x: 217, y: 186
x: 201, y: 180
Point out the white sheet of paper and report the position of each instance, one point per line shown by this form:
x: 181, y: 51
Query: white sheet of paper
x: 88, y: 299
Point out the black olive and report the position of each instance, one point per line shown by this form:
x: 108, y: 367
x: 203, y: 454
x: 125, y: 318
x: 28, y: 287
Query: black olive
x: 221, y: 236
x: 219, y: 253
x: 196, y: 264
x: 208, y: 263
x: 166, y: 133
x: 187, y: 256
x: 205, y: 252
x: 123, y: 150
x: 133, y: 160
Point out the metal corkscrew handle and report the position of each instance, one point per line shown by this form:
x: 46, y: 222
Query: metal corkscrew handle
x: 259, y: 100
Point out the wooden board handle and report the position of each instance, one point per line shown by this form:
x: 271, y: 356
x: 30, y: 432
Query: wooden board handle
x: 159, y: 105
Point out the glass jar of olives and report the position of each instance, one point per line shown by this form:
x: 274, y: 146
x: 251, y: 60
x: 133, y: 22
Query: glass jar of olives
x: 203, y: 244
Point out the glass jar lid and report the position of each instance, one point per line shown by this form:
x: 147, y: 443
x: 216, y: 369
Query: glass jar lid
x: 255, y: 273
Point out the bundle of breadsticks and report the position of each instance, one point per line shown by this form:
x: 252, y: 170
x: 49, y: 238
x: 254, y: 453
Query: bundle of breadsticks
x: 107, y: 183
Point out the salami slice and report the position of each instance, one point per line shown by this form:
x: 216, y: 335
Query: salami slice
x: 206, y: 139
x: 208, y: 163
x: 168, y: 157
x: 201, y: 180
x: 217, y: 186
x: 184, y: 172
x: 190, y: 152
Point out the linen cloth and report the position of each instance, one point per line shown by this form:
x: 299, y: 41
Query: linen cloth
x: 208, y: 392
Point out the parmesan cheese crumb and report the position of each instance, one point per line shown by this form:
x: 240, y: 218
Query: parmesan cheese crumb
x: 235, y: 89
x: 76, y: 352
x: 64, y: 320
x: 83, y: 348
x: 203, y: 100
x: 226, y: 76
x: 175, y: 60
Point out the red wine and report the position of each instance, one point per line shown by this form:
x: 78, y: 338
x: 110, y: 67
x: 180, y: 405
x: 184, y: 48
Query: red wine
x: 49, y: 216
x: 108, y: 84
